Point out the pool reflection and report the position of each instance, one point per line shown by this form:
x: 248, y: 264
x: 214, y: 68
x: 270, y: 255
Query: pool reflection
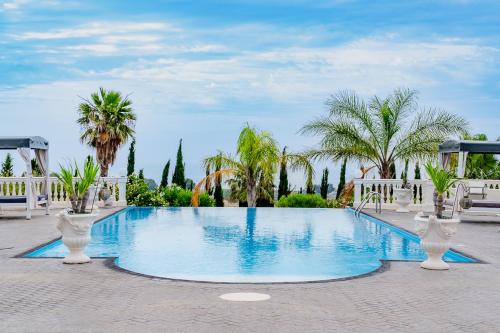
x: 247, y: 244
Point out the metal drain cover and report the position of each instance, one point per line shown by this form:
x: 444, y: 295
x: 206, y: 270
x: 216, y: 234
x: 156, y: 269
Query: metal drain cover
x: 245, y: 297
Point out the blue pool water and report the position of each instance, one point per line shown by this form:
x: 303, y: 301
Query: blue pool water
x: 248, y: 245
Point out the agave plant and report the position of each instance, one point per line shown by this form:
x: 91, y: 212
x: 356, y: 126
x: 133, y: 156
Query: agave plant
x: 65, y: 176
x: 442, y: 180
x: 78, y: 192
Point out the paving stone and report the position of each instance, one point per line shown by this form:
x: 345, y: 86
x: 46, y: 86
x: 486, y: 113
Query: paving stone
x: 43, y: 295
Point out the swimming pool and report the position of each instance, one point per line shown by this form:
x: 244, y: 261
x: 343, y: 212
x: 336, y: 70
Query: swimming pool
x: 248, y: 245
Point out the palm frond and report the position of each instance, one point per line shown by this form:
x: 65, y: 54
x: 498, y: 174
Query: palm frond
x: 429, y: 128
x: 195, y: 199
x: 442, y: 179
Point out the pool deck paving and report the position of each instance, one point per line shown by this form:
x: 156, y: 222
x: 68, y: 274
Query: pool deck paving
x: 44, y: 295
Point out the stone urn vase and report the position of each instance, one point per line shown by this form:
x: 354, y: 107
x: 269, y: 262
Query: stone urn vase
x: 106, y: 197
x: 75, y: 230
x: 403, y: 199
x: 435, y: 235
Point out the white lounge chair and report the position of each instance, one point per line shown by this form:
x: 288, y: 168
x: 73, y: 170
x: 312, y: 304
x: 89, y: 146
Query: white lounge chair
x: 24, y: 146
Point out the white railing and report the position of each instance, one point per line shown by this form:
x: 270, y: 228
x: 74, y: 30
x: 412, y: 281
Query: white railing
x: 492, y: 188
x: 422, y: 196
x: 12, y: 186
x: 386, y: 187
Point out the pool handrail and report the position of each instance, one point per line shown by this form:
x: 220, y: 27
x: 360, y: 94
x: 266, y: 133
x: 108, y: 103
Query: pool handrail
x: 378, y: 203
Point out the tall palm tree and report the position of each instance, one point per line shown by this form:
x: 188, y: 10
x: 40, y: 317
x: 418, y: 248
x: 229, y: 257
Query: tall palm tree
x: 107, y: 122
x: 381, y: 131
x: 256, y: 161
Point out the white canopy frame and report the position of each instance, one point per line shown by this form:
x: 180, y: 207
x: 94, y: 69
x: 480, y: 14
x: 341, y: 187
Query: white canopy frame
x: 463, y: 148
x: 24, y: 145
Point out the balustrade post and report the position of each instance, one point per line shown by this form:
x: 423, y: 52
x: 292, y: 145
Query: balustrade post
x: 357, y: 191
x: 428, y: 197
x: 122, y: 191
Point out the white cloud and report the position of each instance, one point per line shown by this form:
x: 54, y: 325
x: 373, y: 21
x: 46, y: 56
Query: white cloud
x: 137, y: 38
x: 96, y: 29
x: 118, y: 38
x: 299, y: 72
x: 18, y: 5
x: 94, y: 48
x: 210, y: 95
x: 13, y: 4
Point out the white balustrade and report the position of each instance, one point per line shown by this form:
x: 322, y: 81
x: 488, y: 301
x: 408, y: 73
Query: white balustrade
x: 386, y: 187
x: 492, y: 189
x: 12, y: 186
x: 423, y: 192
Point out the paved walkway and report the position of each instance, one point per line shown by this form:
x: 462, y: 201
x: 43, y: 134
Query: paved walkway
x: 43, y: 295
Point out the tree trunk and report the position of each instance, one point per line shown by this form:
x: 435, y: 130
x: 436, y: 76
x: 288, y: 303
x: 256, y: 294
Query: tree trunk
x: 78, y: 206
x: 385, y: 171
x: 252, y: 192
x: 439, y: 206
x: 104, y: 169
x: 74, y: 204
x: 85, y: 199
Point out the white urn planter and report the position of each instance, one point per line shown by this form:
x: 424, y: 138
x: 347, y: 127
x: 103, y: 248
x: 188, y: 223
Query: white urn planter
x: 403, y: 199
x: 75, y: 229
x: 435, y: 235
x: 107, y: 198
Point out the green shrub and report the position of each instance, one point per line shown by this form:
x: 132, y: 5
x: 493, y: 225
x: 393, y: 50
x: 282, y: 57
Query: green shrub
x: 150, y: 199
x: 139, y: 194
x: 334, y: 203
x: 206, y: 200
x: 302, y: 201
x: 135, y: 187
x: 176, y: 196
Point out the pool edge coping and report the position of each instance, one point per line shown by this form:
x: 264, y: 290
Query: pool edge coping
x: 478, y: 261
x: 109, y: 262
x: 23, y: 254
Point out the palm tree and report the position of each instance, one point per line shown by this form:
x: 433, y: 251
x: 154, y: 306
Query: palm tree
x: 381, y: 131
x: 254, y: 166
x: 107, y: 122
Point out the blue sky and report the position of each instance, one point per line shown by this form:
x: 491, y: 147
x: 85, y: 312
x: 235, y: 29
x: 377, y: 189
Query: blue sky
x: 201, y: 69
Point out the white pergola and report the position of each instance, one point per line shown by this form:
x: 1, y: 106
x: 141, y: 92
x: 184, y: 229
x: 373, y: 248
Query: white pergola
x: 24, y: 145
x: 463, y: 148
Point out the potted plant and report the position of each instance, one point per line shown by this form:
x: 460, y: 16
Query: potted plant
x: 75, y: 222
x: 435, y: 230
x: 403, y: 194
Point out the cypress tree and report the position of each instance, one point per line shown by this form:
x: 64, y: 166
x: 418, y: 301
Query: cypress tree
x: 189, y: 184
x: 404, y: 173
x: 164, y: 175
x: 341, y: 185
x: 218, y: 195
x: 417, y: 171
x: 7, y: 167
x: 324, y: 184
x: 141, y: 174
x: 131, y: 159
x: 35, y: 168
x: 178, y: 177
x: 283, y: 184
